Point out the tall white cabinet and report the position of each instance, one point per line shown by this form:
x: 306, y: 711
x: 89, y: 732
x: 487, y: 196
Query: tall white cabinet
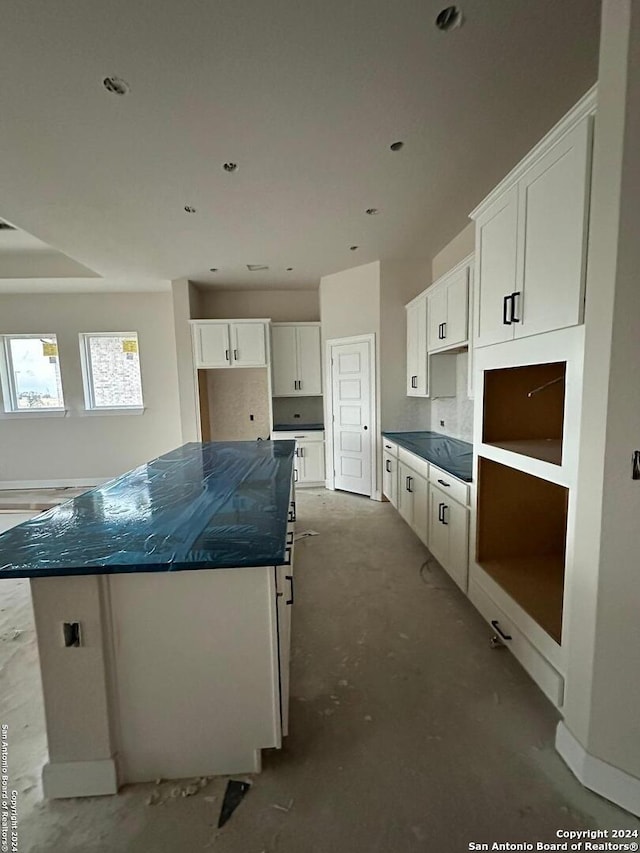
x: 296, y: 359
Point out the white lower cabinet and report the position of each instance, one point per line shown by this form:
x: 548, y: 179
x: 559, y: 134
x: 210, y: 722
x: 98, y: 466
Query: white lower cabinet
x: 390, y: 477
x: 284, y: 604
x: 308, y: 465
x: 449, y: 534
x: 413, y: 498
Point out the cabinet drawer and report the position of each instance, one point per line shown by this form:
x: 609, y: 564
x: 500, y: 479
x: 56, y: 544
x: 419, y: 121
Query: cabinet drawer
x: 420, y: 466
x: 543, y: 673
x: 458, y: 490
x: 389, y: 447
x: 312, y: 435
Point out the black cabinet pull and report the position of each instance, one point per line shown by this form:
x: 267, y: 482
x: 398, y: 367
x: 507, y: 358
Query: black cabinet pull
x: 414, y: 381
x: 226, y: 354
x: 514, y: 319
x: 387, y: 466
x: 440, y: 505
x: 287, y: 557
x: 235, y: 354
x: 290, y: 579
x: 299, y: 384
x: 408, y: 484
x: 292, y: 510
x: 496, y: 625
x: 444, y: 331
x: 442, y: 483
x: 445, y: 507
x: 289, y: 537
x: 301, y: 453
x: 505, y: 311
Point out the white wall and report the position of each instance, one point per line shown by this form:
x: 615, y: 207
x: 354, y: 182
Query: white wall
x: 186, y: 304
x: 284, y: 306
x: 82, y: 447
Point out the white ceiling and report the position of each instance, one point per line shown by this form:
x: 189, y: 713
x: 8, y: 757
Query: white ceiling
x: 305, y: 96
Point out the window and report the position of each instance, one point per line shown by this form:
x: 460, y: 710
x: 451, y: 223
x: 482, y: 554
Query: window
x: 31, y: 374
x: 111, y: 369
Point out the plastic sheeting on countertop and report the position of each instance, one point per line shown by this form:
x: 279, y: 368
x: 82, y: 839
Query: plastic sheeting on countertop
x: 202, y: 506
x: 450, y: 454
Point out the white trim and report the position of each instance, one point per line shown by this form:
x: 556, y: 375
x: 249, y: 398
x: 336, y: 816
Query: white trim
x: 8, y: 377
x: 586, y: 106
x: 90, y: 483
x: 616, y: 785
x: 303, y: 323
x: 34, y: 413
x: 232, y: 320
x: 87, y: 372
x: 369, y: 338
x: 112, y: 410
x: 79, y: 779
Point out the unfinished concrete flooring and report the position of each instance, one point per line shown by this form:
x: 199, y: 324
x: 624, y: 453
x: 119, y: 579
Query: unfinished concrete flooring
x: 408, y: 732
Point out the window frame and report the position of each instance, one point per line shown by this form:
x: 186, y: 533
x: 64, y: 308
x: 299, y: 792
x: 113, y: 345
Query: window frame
x: 87, y: 374
x: 10, y: 406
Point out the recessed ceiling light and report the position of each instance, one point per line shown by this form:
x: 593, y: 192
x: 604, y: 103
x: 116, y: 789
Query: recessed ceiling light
x: 449, y: 19
x: 189, y: 209
x: 352, y: 248
x: 213, y: 269
x: 116, y: 86
x: 396, y: 146
x: 230, y: 167
x: 257, y: 267
x: 289, y: 269
x: 372, y: 211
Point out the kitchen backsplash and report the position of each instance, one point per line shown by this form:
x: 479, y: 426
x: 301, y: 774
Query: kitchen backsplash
x: 285, y: 410
x: 456, y: 412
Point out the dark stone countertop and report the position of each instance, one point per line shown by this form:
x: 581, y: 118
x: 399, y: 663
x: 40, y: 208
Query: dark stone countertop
x: 297, y: 427
x: 201, y: 506
x: 451, y: 454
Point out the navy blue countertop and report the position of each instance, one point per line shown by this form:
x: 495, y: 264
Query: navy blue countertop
x: 450, y: 454
x: 297, y: 427
x: 202, y: 506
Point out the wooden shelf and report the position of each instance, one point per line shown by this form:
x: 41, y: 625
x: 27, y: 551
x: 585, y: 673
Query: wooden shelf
x: 536, y: 583
x: 545, y: 449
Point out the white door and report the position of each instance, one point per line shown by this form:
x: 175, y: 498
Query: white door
x: 552, y: 223
x: 212, y: 345
x: 436, y: 317
x: 456, y: 328
x: 352, y: 407
x: 496, y: 236
x: 249, y: 344
x: 309, y: 374
x: 283, y: 358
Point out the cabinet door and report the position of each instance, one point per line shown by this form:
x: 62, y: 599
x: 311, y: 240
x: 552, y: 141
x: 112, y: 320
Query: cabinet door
x: 420, y: 489
x: 249, y: 345
x: 390, y: 478
x: 438, y: 542
x: 417, y: 349
x: 284, y: 603
x: 456, y: 329
x: 552, y: 224
x: 405, y: 495
x: 310, y: 462
x: 212, y: 345
x: 283, y: 360
x: 496, y: 236
x: 309, y: 358
x: 457, y: 517
x: 437, y: 317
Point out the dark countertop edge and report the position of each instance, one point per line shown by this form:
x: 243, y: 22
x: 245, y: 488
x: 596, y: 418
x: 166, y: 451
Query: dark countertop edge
x: 392, y: 436
x: 298, y: 428
x: 86, y: 571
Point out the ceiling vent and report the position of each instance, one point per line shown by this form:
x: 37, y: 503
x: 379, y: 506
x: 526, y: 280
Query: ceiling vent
x: 256, y: 267
x: 4, y: 226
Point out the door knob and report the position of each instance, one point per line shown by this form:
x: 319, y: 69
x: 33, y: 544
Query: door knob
x: 366, y: 427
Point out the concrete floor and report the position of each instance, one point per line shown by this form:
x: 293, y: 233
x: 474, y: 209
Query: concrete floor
x: 408, y: 733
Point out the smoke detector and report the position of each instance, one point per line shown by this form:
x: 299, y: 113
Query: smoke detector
x: 116, y: 86
x: 257, y: 267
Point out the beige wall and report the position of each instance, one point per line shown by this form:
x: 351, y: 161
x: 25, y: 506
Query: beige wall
x: 81, y: 447
x: 235, y: 395
x: 463, y: 244
x: 186, y: 304
x: 284, y: 306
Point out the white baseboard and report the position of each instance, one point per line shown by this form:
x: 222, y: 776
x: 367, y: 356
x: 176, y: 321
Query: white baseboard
x: 79, y: 779
x: 53, y: 484
x: 595, y: 774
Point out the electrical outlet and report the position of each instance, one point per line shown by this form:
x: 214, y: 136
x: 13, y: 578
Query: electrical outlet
x: 296, y: 416
x: 71, y: 634
x: 441, y: 423
x: 250, y: 417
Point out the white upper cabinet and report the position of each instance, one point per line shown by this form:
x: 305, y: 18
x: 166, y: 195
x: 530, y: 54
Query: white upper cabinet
x: 296, y: 359
x: 448, y: 310
x: 235, y: 343
x: 531, y: 237
x: 417, y: 385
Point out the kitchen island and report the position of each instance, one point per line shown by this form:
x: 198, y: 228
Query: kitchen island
x: 162, y: 603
